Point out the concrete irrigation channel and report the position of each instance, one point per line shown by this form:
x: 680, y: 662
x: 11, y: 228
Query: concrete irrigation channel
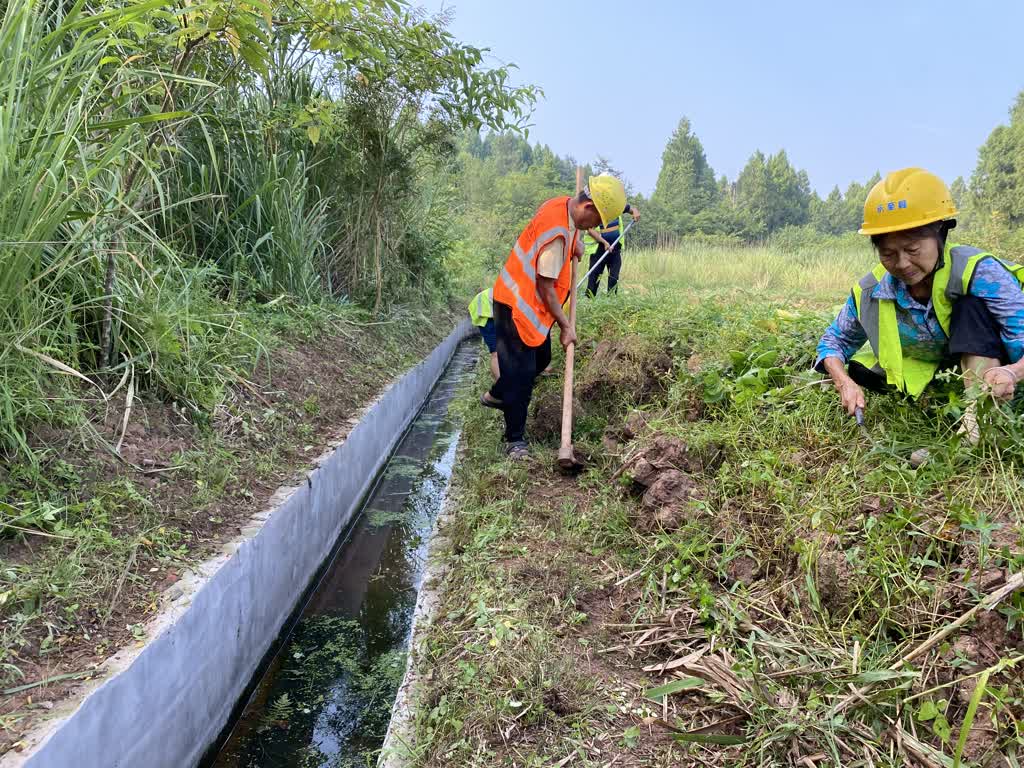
x: 287, y: 649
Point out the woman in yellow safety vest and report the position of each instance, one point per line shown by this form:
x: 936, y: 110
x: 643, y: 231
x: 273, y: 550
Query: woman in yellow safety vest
x: 929, y: 304
x: 481, y: 314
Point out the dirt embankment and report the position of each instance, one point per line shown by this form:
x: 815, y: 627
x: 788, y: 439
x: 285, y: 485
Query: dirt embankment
x: 688, y: 559
x: 172, y: 495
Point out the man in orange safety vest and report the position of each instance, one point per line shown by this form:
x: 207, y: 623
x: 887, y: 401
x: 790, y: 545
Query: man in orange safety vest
x: 530, y: 292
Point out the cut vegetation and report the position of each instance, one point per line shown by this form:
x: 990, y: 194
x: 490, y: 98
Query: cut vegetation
x: 741, y: 578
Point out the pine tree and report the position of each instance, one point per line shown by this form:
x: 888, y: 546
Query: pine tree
x: 686, y: 183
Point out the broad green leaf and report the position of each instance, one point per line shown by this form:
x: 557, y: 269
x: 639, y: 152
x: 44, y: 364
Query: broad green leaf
x: 928, y: 711
x: 685, y: 684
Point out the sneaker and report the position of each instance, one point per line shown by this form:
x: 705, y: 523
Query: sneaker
x: 489, y: 401
x: 517, y: 450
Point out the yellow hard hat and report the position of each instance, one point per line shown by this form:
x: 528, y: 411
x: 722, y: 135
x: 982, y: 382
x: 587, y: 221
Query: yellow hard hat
x: 609, y: 196
x: 906, y: 199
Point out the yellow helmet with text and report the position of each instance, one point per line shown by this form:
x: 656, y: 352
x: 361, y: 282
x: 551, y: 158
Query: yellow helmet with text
x: 906, y: 199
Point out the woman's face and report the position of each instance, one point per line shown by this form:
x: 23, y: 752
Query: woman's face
x: 908, y: 256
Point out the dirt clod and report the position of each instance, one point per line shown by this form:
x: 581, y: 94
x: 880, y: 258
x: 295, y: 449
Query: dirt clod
x: 743, y: 570
x: 557, y: 703
x: 834, y: 574
x: 667, y: 500
x: 636, y: 423
x: 667, y: 452
x: 626, y: 367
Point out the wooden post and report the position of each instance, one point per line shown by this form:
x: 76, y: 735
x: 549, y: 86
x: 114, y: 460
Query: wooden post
x: 566, y: 457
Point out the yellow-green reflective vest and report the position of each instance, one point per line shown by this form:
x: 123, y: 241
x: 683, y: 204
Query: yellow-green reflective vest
x: 590, y: 244
x: 883, y: 352
x: 480, y: 310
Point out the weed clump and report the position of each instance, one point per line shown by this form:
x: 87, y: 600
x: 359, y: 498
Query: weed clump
x: 628, y: 369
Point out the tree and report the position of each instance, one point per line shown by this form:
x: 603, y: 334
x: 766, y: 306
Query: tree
x: 686, y: 183
x: 772, y: 194
x: 791, y: 193
x: 829, y: 215
x: 754, y: 194
x: 998, y: 181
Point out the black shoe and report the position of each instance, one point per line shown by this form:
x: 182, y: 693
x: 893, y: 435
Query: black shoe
x: 488, y: 401
x: 517, y: 450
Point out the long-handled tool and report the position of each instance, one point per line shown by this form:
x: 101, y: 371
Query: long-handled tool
x: 566, y: 457
x: 604, y: 255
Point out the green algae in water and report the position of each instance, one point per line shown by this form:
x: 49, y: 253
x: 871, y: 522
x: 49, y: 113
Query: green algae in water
x: 383, y: 517
x: 333, y: 696
x: 325, y: 701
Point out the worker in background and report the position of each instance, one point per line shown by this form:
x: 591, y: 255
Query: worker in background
x: 928, y: 305
x: 529, y: 294
x: 481, y: 315
x: 609, y: 240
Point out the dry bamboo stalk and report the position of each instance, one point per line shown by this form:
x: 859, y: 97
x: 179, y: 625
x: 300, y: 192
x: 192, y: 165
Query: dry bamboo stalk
x: 1012, y: 584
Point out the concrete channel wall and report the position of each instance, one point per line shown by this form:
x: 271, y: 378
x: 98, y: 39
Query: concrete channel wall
x: 164, y: 704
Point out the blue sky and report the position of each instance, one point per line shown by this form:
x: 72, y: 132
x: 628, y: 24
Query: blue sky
x: 846, y: 88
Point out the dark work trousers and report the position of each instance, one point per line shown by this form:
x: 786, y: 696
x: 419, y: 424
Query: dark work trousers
x: 519, y: 365
x: 613, y: 263
x: 974, y: 331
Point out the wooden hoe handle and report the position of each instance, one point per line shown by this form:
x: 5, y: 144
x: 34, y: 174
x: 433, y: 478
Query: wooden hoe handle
x: 565, y: 453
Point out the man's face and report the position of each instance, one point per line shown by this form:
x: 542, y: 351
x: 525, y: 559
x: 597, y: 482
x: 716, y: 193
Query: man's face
x: 586, y: 216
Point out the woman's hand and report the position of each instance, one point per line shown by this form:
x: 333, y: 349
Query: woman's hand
x: 1001, y: 382
x: 851, y: 395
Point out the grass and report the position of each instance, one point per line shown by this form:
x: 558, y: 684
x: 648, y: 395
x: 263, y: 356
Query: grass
x: 784, y: 590
x: 807, y: 275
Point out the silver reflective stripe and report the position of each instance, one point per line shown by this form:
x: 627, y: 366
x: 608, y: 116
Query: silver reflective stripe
x: 869, y: 311
x: 959, y: 256
x: 526, y: 260
x: 526, y: 257
x: 521, y: 304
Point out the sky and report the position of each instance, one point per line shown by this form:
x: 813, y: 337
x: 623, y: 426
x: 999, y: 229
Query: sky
x: 846, y: 88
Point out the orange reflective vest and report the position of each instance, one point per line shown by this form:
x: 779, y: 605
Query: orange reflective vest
x: 516, y: 286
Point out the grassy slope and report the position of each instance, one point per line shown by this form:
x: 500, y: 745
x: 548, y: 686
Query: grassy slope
x: 791, y: 561
x: 79, y: 577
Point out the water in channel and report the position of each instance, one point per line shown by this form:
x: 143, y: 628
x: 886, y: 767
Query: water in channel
x: 325, y: 700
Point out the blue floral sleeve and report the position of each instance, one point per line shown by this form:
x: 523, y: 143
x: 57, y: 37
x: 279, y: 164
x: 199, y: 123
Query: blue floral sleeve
x: 996, y: 285
x: 843, y: 337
